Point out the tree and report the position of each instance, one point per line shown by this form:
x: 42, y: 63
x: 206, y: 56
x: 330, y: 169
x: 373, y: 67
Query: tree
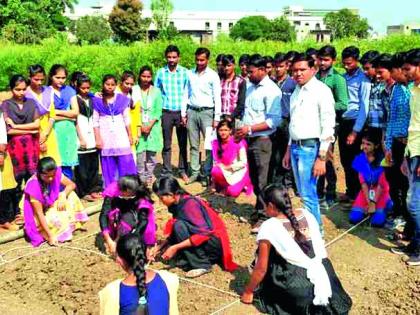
x: 345, y: 23
x: 92, y: 29
x: 251, y: 28
x: 25, y: 21
x: 281, y: 30
x: 126, y: 22
x: 161, y: 10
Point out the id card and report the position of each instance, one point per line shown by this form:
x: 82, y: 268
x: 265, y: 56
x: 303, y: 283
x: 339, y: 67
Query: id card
x: 372, y: 195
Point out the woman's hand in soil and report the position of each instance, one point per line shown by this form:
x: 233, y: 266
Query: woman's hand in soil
x: 52, y: 241
x: 61, y: 203
x: 169, y: 253
x: 111, y: 247
x: 247, y: 297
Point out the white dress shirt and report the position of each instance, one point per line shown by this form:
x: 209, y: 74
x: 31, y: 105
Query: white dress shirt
x: 312, y: 113
x: 205, y: 90
x: 263, y: 104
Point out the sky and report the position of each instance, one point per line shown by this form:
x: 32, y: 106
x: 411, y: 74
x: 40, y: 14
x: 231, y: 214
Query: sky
x: 380, y: 13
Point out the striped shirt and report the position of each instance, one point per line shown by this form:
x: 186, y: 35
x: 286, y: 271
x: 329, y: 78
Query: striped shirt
x: 399, y: 114
x: 233, y: 94
x: 174, y: 88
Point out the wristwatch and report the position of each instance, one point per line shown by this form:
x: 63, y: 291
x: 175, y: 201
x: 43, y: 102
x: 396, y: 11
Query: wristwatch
x: 322, y: 157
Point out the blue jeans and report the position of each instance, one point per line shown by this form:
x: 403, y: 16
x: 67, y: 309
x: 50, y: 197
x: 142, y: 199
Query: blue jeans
x: 303, y: 159
x: 413, y: 197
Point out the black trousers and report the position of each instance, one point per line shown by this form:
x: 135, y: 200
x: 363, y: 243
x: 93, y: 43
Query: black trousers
x: 398, y: 186
x: 347, y: 155
x: 277, y: 173
x: 172, y: 119
x: 9, y: 205
x: 259, y: 156
x: 87, y: 174
x: 195, y: 257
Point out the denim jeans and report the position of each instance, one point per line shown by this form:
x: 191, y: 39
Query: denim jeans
x: 413, y: 197
x: 303, y: 159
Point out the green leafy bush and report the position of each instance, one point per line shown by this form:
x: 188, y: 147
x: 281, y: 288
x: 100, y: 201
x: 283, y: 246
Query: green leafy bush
x: 98, y: 60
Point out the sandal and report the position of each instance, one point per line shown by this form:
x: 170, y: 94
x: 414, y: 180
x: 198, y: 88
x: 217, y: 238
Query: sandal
x: 195, y: 273
x: 9, y: 226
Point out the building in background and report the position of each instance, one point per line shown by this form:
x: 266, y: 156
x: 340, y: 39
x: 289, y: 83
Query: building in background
x: 207, y: 25
x: 407, y: 28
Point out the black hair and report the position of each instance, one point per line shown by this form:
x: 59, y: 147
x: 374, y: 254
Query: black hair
x: 257, y: 61
x: 383, y: 61
x: 269, y: 59
x: 374, y: 135
x: 16, y: 79
x: 244, y: 58
x: 202, y: 50
x: 398, y: 59
x: 219, y: 57
x: 167, y: 186
x: 311, y: 51
x: 279, y: 197
x: 413, y: 57
x: 304, y: 57
x: 172, y: 48
x: 351, y: 51
x: 143, y: 69
x: 290, y: 55
x: 82, y: 79
x: 327, y: 51
x: 133, y: 184
x: 369, y: 56
x: 73, y: 78
x: 45, y: 165
x: 279, y: 58
x: 228, y: 59
x: 127, y: 74
x: 223, y: 122
x: 53, y: 71
x: 131, y: 249
x: 35, y: 69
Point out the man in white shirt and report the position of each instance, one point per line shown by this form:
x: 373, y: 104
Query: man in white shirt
x: 312, y: 121
x: 262, y: 116
x: 204, y: 110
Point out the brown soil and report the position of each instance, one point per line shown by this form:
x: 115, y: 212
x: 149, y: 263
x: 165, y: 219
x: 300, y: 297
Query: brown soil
x: 66, y: 281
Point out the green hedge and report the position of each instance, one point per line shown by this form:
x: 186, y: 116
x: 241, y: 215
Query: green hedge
x: 97, y: 60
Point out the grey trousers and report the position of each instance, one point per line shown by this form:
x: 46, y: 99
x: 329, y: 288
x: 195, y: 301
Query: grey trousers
x: 198, y: 122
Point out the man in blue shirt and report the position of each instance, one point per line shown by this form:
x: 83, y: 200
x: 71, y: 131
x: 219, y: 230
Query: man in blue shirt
x: 354, y: 118
x: 172, y: 80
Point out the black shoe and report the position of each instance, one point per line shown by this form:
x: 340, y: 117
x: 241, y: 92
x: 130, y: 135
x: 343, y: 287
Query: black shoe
x: 403, y: 250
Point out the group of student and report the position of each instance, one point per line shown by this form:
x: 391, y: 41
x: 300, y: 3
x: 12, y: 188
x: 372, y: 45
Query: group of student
x: 268, y: 129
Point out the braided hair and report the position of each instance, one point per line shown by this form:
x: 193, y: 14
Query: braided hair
x: 279, y: 197
x: 132, y: 251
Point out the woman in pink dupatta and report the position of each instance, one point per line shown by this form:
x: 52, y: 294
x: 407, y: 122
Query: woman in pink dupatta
x: 50, y: 214
x: 230, y: 174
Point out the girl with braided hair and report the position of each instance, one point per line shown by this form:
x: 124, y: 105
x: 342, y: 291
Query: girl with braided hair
x: 142, y: 291
x: 292, y: 270
x: 127, y: 209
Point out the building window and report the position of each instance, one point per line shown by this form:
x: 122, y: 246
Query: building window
x: 306, y: 24
x: 297, y: 23
x: 219, y: 26
x: 207, y: 26
x: 230, y: 25
x: 317, y: 26
x: 171, y: 23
